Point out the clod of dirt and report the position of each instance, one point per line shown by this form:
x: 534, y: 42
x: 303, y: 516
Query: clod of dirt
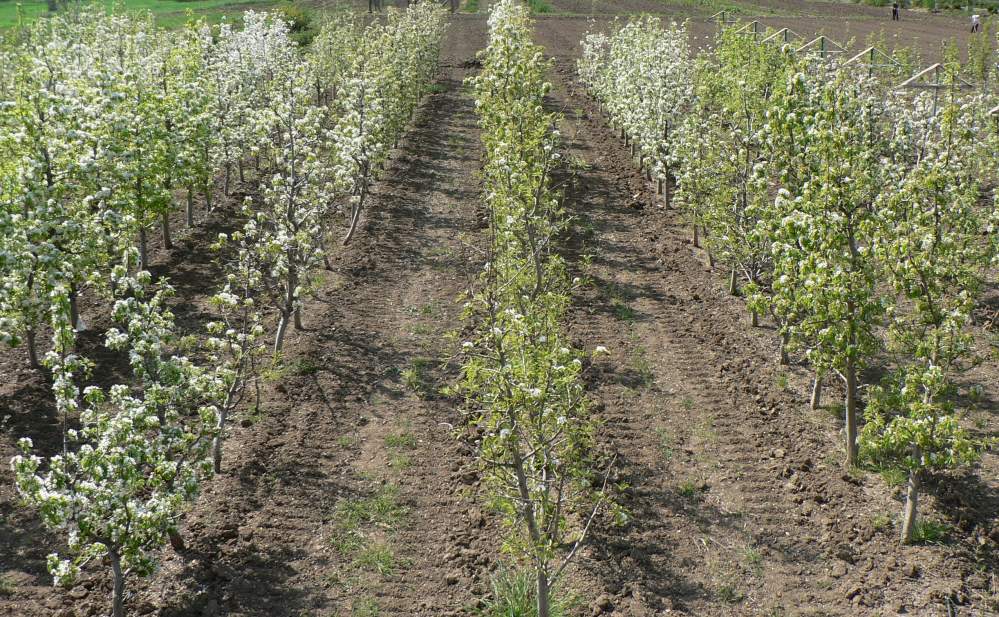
x: 601, y: 605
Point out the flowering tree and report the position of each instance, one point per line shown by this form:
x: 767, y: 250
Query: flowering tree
x: 285, y: 232
x: 641, y: 73
x: 934, y: 250
x: 118, y: 486
x: 521, y: 379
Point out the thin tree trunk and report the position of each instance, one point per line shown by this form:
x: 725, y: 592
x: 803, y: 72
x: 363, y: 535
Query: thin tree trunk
x: 784, y: 358
x: 287, y: 311
x: 733, y: 287
x: 544, y: 594
x: 143, y: 252
x: 911, y: 505
x: 29, y: 343
x: 298, y: 318
x: 355, y: 217
x: 165, y: 224
x: 190, y: 206
x: 282, y: 328
x: 754, y: 319
x: 851, y: 414
x: 239, y: 166
x: 217, y: 441
x: 816, y: 401
x: 74, y: 308
x: 697, y: 238
x: 225, y: 182
x: 659, y: 186
x: 118, y: 593
x: 208, y: 197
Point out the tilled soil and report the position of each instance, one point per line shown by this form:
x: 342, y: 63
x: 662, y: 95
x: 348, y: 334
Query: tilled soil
x: 351, y: 491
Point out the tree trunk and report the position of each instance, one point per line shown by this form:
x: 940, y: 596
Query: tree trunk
x: 225, y: 182
x: 816, y: 401
x: 544, y: 594
x: 208, y: 197
x: 143, y: 252
x: 190, y: 206
x: 353, y: 225
x: 733, y: 287
x: 754, y: 319
x: 298, y: 318
x: 74, y: 309
x: 118, y: 594
x: 697, y: 238
x: 239, y: 166
x: 911, y: 506
x: 851, y: 414
x: 279, y: 338
x: 165, y: 224
x: 29, y: 343
x: 287, y: 311
x: 659, y: 186
x: 784, y: 358
x: 217, y: 441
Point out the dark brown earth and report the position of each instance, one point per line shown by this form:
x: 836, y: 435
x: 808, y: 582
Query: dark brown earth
x: 737, y: 501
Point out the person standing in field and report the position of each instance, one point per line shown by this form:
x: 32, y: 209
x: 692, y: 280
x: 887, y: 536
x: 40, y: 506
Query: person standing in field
x: 976, y: 24
x: 894, y: 11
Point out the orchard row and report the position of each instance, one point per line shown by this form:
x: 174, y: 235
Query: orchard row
x: 521, y: 377
x: 860, y: 218
x: 107, y: 121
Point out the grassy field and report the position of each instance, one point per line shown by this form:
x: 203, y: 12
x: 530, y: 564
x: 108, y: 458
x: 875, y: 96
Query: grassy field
x: 169, y: 13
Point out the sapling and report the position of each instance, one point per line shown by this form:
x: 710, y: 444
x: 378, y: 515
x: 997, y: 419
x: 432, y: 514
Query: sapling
x: 123, y: 476
x: 521, y: 380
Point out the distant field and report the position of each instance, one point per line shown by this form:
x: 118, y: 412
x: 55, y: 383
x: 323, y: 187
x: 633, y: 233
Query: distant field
x: 169, y: 13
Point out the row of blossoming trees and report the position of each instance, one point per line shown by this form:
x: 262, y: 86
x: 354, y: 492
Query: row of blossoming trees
x: 521, y: 377
x: 109, y: 127
x: 859, y: 218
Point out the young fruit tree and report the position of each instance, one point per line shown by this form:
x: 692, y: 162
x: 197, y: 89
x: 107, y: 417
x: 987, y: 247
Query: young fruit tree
x: 118, y: 487
x: 825, y: 274
x: 520, y: 378
x: 935, y: 250
x: 284, y: 232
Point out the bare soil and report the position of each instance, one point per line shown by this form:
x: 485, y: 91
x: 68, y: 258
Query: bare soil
x: 353, y: 490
